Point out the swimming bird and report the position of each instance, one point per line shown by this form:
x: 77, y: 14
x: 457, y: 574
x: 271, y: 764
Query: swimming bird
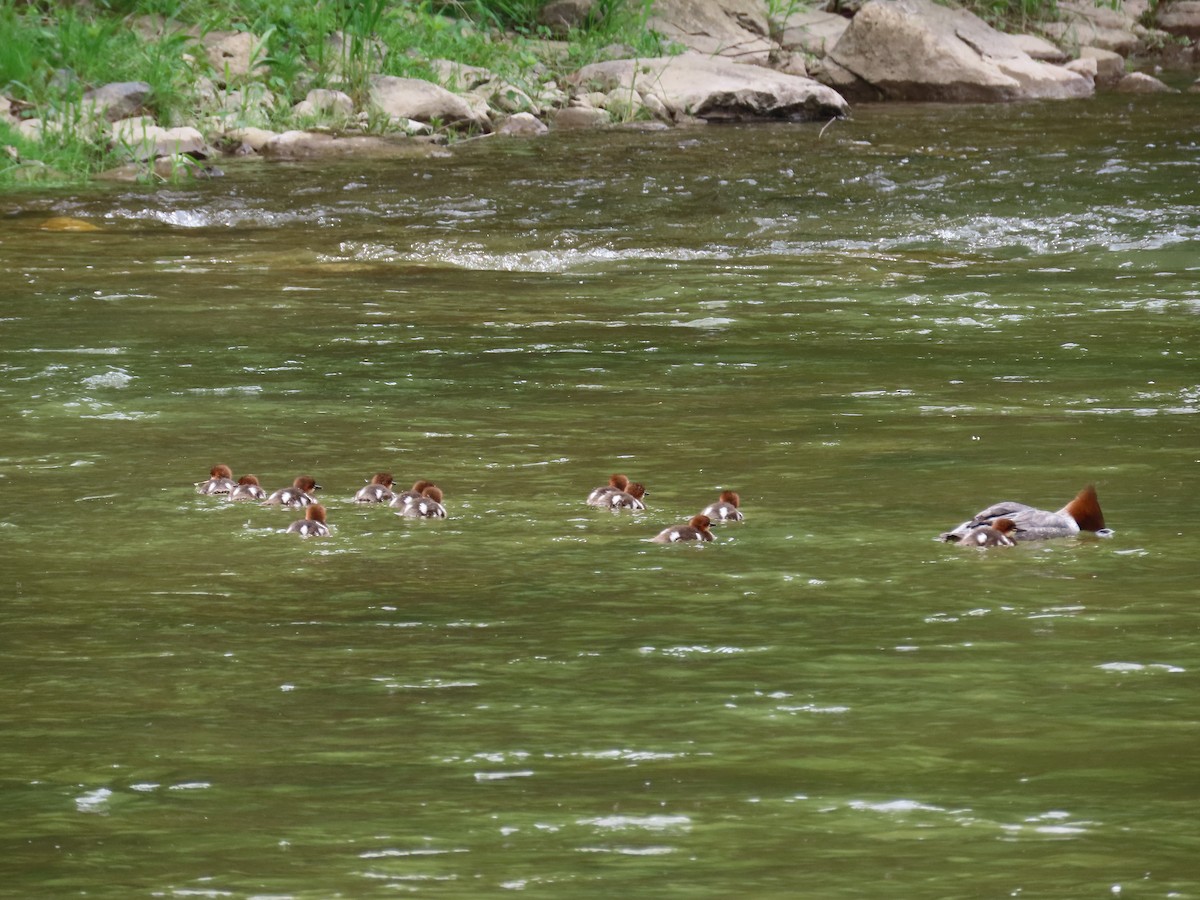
x: 616, y: 483
x: 378, y: 491
x: 998, y: 534
x: 247, y: 488
x: 414, y: 493
x: 220, y: 481
x: 695, y: 530
x: 299, y: 494
x: 427, y: 506
x: 1032, y: 524
x: 313, y: 523
x: 726, y: 509
x: 630, y: 498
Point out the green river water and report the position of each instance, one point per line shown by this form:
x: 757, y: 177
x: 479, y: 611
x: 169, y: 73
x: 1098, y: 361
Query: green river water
x: 869, y: 335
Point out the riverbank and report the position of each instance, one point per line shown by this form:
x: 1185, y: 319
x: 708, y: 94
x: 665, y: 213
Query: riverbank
x: 88, y: 94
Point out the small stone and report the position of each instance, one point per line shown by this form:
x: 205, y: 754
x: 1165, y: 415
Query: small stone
x: 522, y: 124
x: 1141, y: 83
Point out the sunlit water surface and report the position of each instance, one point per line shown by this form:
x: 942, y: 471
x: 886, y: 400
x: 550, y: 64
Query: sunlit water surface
x: 869, y: 335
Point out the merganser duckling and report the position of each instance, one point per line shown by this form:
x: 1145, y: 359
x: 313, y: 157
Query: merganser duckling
x: 616, y: 484
x: 695, y: 530
x: 378, y: 491
x: 414, y: 493
x: 220, y: 482
x: 296, y: 495
x: 1081, y: 514
x: 247, y: 488
x: 427, y: 506
x: 725, y: 509
x: 998, y: 534
x: 630, y: 498
x: 313, y: 523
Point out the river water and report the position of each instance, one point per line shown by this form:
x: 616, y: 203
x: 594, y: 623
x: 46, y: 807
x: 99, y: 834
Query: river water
x: 869, y: 334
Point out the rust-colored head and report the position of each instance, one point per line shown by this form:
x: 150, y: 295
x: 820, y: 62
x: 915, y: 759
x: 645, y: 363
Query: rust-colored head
x: 620, y: 482
x: 420, y: 485
x: 305, y: 483
x: 248, y: 479
x: 731, y: 498
x: 314, y: 512
x: 221, y: 471
x: 383, y: 478
x: 700, y: 522
x: 1005, y: 526
x: 1085, y: 510
x: 432, y: 492
x: 636, y: 489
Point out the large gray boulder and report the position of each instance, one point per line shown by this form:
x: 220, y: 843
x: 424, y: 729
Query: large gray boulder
x: 737, y: 29
x: 117, y: 100
x: 918, y: 50
x: 1180, y: 17
x: 423, y: 101
x: 1085, y: 23
x: 713, y: 88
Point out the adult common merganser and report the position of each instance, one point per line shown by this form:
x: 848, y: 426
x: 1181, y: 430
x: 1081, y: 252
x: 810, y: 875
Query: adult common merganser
x: 630, y: 498
x: 427, y: 506
x: 378, y: 491
x: 725, y: 509
x: 299, y: 494
x: 616, y: 484
x: 414, y: 493
x: 1081, y: 514
x: 313, y: 523
x: 695, y: 530
x: 998, y: 534
x: 247, y: 488
x: 220, y: 481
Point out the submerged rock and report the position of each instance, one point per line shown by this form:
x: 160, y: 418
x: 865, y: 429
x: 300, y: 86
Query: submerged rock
x: 1141, y: 83
x: 314, y: 145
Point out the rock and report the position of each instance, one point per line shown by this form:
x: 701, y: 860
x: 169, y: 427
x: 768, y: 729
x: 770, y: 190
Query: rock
x: 562, y: 17
x: 456, y: 76
x: 330, y: 102
x: 253, y: 138
x: 233, y: 54
x: 1086, y: 24
x: 67, y: 223
x: 918, y: 50
x: 736, y: 29
x: 1038, y: 48
x: 1110, y: 66
x: 715, y: 89
x: 1141, y: 83
x: 311, y: 145
x: 142, y: 139
x: 1195, y: 88
x: 522, y: 124
x: 812, y: 31
x: 1085, y: 66
x: 118, y: 100
x: 423, y: 101
x: 1180, y: 18
x: 575, y: 117
x: 31, y: 129
x: 324, y: 104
